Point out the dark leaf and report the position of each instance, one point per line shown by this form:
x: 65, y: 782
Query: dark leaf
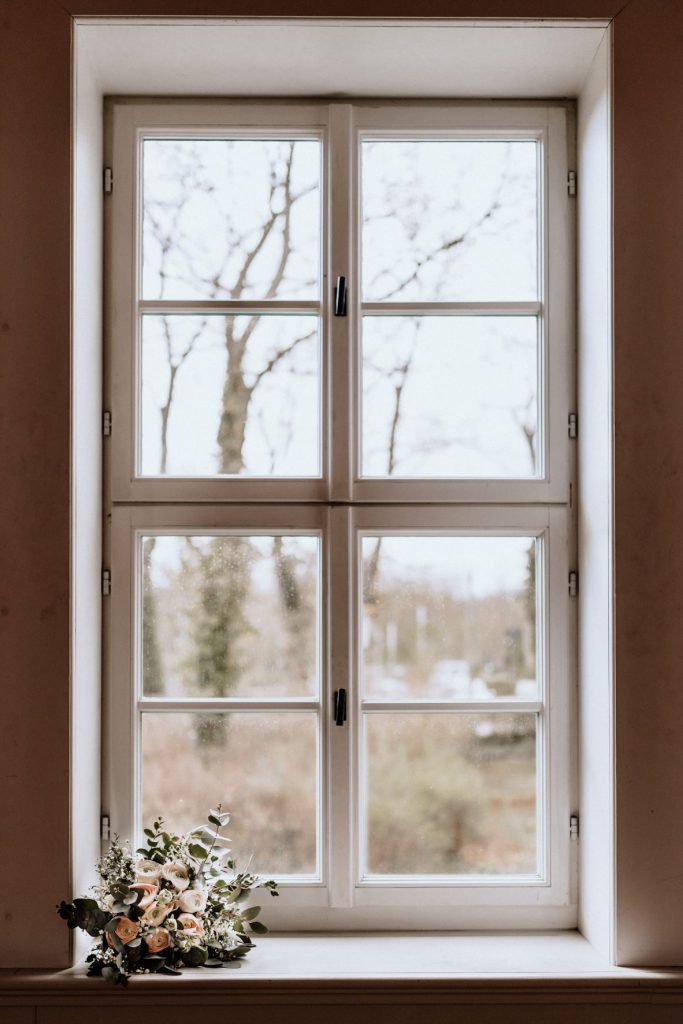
x: 258, y: 928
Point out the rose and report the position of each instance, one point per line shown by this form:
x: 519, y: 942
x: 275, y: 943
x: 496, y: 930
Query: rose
x: 157, y: 940
x: 156, y: 914
x: 189, y: 923
x: 193, y: 901
x: 147, y: 871
x: 177, y: 875
x: 126, y: 931
x: 148, y: 890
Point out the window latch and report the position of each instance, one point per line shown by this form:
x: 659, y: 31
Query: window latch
x: 340, y: 297
x: 339, y: 707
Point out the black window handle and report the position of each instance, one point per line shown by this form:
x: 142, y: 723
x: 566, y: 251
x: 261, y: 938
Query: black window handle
x: 339, y: 707
x: 340, y: 297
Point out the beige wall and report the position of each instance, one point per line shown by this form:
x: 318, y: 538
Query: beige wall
x: 35, y: 425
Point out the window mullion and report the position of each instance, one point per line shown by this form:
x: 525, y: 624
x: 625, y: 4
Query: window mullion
x: 341, y: 206
x: 340, y: 833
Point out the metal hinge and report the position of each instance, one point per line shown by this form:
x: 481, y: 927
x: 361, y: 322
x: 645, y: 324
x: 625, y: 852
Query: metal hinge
x: 105, y: 828
x: 574, y: 826
x: 571, y: 183
x: 108, y: 180
x: 573, y: 583
x: 573, y: 426
x: 106, y: 423
x: 106, y: 582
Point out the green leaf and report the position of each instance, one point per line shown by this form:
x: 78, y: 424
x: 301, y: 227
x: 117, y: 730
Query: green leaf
x: 250, y: 913
x: 213, y: 962
x: 170, y: 970
x: 148, y: 832
x: 153, y: 962
x: 214, y: 821
x: 198, y: 851
x: 112, y: 925
x: 258, y: 928
x: 195, y: 957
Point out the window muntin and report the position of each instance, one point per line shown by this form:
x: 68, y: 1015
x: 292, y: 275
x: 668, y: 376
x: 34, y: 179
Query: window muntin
x: 349, y: 870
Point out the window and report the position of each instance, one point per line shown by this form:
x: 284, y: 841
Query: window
x: 340, y: 378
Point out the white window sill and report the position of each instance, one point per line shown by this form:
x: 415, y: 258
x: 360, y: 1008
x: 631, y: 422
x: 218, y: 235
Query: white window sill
x: 411, y: 968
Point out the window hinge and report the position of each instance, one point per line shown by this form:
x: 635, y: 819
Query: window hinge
x: 574, y: 826
x: 106, y: 423
x: 571, y: 183
x: 108, y: 180
x: 573, y: 426
x: 106, y: 582
x: 573, y: 583
x: 105, y: 828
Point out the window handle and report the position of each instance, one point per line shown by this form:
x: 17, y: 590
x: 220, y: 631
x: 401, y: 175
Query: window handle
x: 339, y: 707
x: 340, y: 297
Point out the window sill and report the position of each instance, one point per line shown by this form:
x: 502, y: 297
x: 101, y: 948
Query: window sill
x: 380, y: 968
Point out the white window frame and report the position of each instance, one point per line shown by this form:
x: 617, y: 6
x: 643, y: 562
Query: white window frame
x: 340, y: 503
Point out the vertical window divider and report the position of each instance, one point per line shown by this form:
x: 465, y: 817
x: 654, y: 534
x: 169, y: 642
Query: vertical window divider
x: 341, y: 329
x: 341, y: 831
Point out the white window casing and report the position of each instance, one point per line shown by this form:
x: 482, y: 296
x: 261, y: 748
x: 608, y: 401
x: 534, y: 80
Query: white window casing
x: 340, y: 505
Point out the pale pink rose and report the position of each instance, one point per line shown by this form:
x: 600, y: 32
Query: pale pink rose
x: 177, y: 875
x: 149, y: 891
x: 189, y: 923
x: 126, y: 931
x: 147, y: 871
x: 192, y: 901
x: 157, y: 940
x: 157, y: 913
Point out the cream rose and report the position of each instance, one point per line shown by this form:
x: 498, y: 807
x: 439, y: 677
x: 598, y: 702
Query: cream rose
x: 147, y: 871
x: 156, y: 914
x: 177, y: 875
x: 189, y: 923
x: 192, y: 901
x: 157, y: 940
x: 126, y: 931
x: 149, y: 891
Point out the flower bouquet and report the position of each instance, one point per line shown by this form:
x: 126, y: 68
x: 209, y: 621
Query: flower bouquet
x: 176, y: 905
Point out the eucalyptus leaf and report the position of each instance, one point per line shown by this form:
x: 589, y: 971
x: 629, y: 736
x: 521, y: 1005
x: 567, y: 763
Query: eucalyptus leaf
x: 258, y: 928
x: 250, y: 913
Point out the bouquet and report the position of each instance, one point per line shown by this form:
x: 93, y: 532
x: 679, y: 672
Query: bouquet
x: 176, y: 905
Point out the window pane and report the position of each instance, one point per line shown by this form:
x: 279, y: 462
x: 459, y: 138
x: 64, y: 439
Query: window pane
x: 261, y: 767
x: 230, y: 616
x: 231, y: 219
x: 451, y: 794
x: 450, y: 221
x: 450, y: 396
x: 449, y: 617
x: 230, y: 395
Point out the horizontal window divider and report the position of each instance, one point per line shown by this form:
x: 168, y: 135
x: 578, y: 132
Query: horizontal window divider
x: 437, y: 881
x: 451, y: 308
x: 165, y: 704
x: 227, y: 306
x: 427, y: 704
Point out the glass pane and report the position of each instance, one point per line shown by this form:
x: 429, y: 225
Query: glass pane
x: 451, y: 794
x: 452, y: 221
x: 231, y: 219
x: 450, y: 396
x: 230, y: 395
x: 233, y: 616
x: 261, y: 767
x: 449, y: 618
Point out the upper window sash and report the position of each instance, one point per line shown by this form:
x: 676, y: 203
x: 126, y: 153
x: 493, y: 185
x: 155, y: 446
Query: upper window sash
x: 336, y: 356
